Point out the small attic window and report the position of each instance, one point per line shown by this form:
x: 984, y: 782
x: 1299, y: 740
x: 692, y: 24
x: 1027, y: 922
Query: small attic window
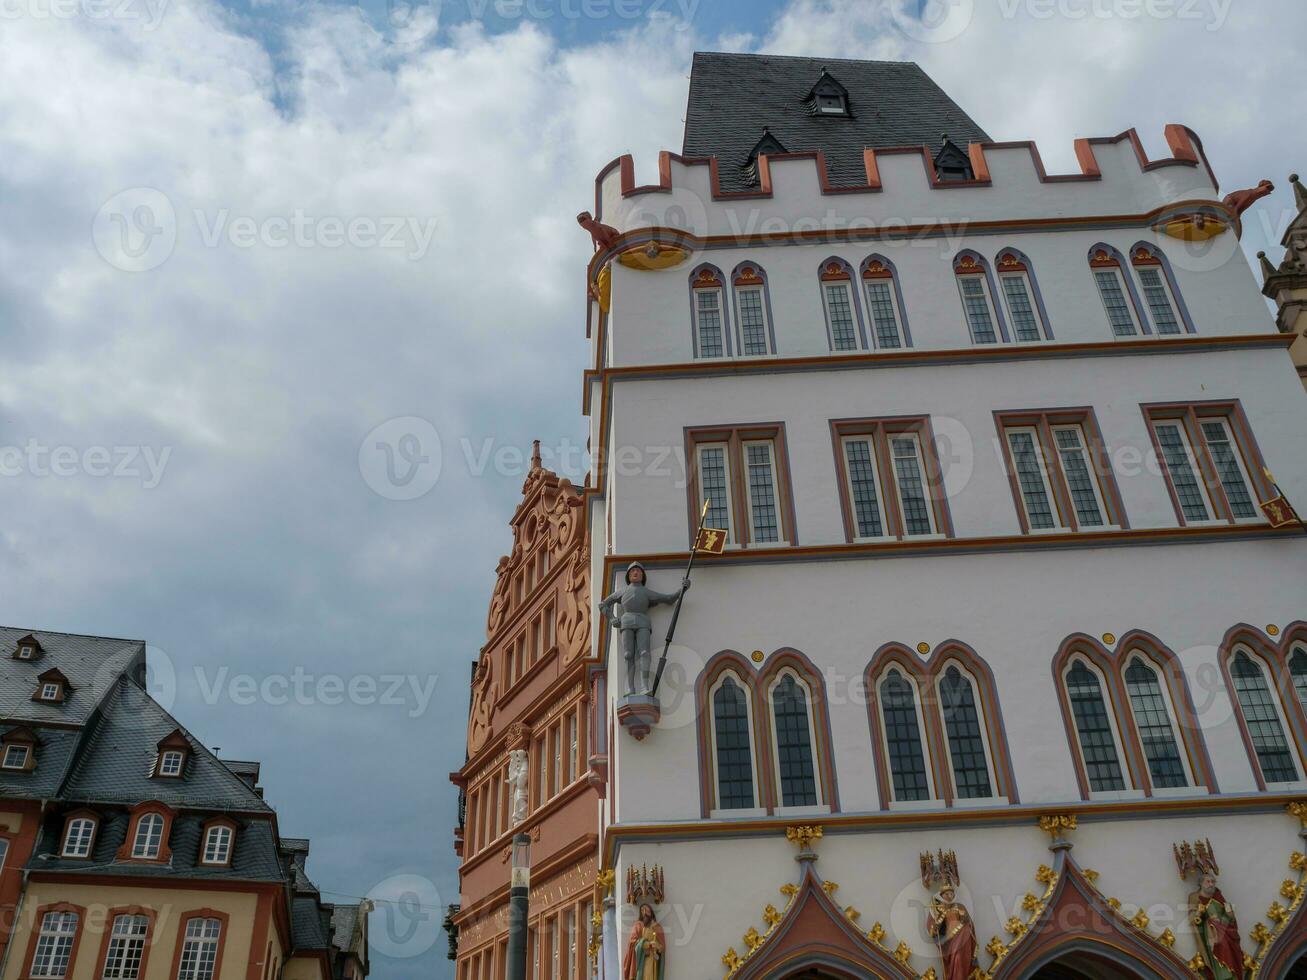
x: 952, y: 162
x: 16, y: 757
x: 18, y: 750
x: 27, y: 648
x: 173, y: 753
x: 828, y: 97
x: 52, y: 691
x: 171, y: 763
x: 51, y: 687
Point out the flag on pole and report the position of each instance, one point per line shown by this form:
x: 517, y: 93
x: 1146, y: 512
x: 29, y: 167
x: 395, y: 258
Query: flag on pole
x: 710, y: 541
x: 1278, y: 510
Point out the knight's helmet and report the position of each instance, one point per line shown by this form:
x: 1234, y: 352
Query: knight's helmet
x: 631, y: 567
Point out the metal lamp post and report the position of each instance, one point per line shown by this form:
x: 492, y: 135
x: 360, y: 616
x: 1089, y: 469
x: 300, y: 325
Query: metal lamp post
x: 518, y: 890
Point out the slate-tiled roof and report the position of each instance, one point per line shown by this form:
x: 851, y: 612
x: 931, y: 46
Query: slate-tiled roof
x: 54, y: 754
x: 119, y: 756
x: 91, y: 664
x: 254, y: 854
x: 310, y: 923
x: 344, y: 920
x: 893, y: 103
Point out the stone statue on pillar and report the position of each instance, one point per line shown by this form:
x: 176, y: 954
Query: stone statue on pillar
x: 635, y: 599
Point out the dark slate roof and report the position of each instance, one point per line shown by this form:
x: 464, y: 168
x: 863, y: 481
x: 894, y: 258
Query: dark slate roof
x: 344, y: 920
x: 91, y: 664
x: 254, y: 856
x: 54, y: 754
x: 310, y: 923
x: 119, y: 756
x: 892, y: 103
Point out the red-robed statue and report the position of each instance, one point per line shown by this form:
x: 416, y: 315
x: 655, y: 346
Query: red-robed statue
x: 646, y: 949
x: 1210, y: 914
x: 947, y: 920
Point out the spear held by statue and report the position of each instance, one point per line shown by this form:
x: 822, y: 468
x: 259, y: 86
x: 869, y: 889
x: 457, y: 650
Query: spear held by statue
x: 710, y: 541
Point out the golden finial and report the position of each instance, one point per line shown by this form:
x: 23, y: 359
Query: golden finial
x: 1057, y: 825
x: 803, y: 835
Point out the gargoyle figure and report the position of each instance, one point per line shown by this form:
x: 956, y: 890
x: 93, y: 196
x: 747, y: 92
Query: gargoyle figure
x: 1241, y: 201
x: 601, y: 234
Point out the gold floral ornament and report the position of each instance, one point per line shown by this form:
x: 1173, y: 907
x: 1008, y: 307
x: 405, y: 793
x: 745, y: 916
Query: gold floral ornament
x: 903, y: 952
x: 1277, y: 913
x: 1030, y: 903
x: 1115, y: 904
x: 753, y: 939
x: 1140, y: 920
x: 803, y: 836
x: 996, y: 948
x: 605, y: 880
x: 1298, y: 808
x: 929, y: 974
x: 1091, y: 875
x: 1046, y: 876
x: 853, y: 914
x: 731, y: 960
x: 1260, y: 934
x: 1198, y: 964
x: 830, y: 887
x: 1290, y: 890
x: 789, y: 891
x: 1057, y: 825
x: 1167, y: 938
x: 771, y: 917
x: 876, y: 934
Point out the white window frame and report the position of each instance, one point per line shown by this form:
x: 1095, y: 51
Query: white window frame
x: 933, y: 800
x: 983, y: 278
x: 1200, y: 475
x: 891, y: 284
x: 1176, y: 731
x: 50, y: 691
x: 25, y: 651
x: 717, y: 812
x: 130, y: 946
x: 721, y: 324
x: 1125, y: 294
x: 79, y: 845
x: 1029, y: 285
x: 887, y: 532
x: 1060, y: 524
x: 847, y: 286
x: 821, y: 806
x: 1170, y: 298
x: 26, y: 750
x: 782, y: 535
x: 142, y: 848
x: 983, y: 719
x: 920, y: 453
x: 223, y: 852
x: 766, y: 320
x: 1095, y: 478
x: 54, y: 940
x: 168, y: 770
x: 195, y: 939
x: 734, y: 531
x: 1131, y: 791
x: 1236, y: 446
x: 1277, y: 702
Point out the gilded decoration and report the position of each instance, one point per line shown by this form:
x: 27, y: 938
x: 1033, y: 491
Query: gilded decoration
x: 1291, y: 891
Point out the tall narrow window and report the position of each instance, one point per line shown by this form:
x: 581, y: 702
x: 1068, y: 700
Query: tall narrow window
x: 77, y: 839
x: 1018, y: 290
x: 1298, y: 671
x: 709, y: 322
x: 1229, y: 467
x: 764, y: 520
x: 1153, y: 721
x: 794, y: 751
x: 1036, y: 495
x: 199, y: 957
x: 732, y: 747
x: 1157, y: 291
x: 860, y: 468
x: 910, y: 479
x: 715, y: 485
x: 966, y: 744
x: 149, y: 837
x: 883, y: 306
x: 122, y: 960
x: 1094, y: 729
x: 907, y: 761
x: 976, y: 302
x: 569, y: 755
x: 839, y: 313
x: 54, y: 945
x: 1109, y: 278
x: 1178, y: 459
x: 217, y: 845
x: 1086, y: 492
x: 1262, y: 720
x: 751, y: 312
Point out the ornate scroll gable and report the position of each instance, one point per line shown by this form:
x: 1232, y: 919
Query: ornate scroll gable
x: 484, y: 696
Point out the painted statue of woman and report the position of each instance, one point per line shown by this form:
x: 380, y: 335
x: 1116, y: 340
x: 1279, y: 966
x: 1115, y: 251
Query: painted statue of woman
x: 1218, y: 932
x: 646, y: 949
x: 949, y: 923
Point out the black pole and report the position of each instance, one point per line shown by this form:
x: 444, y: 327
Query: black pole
x: 519, y: 888
x: 676, y: 610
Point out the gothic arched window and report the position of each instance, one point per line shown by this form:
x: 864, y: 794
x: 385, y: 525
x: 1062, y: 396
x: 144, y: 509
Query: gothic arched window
x: 792, y: 735
x: 1153, y: 722
x: 907, y: 760
x: 1098, y: 745
x: 966, y: 738
x: 1262, y: 721
x: 732, y: 746
x: 1298, y: 671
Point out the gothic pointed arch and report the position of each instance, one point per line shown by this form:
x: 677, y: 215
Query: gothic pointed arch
x: 787, y: 682
x: 815, y: 934
x: 1077, y: 921
x: 1275, y: 660
x: 719, y: 706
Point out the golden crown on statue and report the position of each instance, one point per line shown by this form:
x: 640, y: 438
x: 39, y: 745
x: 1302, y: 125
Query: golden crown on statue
x: 1197, y: 857
x: 939, y: 871
x: 644, y: 884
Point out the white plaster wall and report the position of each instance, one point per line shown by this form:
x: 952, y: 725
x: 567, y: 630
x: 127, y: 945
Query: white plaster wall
x: 716, y: 890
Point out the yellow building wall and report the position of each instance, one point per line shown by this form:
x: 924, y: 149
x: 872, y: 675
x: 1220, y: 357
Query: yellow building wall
x: 303, y: 968
x: 169, y: 905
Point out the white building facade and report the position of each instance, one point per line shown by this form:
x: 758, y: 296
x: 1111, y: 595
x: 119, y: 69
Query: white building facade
x: 990, y: 446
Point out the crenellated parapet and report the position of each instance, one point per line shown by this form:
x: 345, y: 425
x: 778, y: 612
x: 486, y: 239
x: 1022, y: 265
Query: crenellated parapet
x: 903, y: 194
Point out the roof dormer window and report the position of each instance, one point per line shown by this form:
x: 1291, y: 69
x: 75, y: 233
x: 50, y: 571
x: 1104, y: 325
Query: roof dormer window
x: 51, y: 687
x: 28, y: 648
x: 952, y: 162
x: 174, y: 750
x: 18, y: 750
x: 16, y: 757
x: 828, y: 97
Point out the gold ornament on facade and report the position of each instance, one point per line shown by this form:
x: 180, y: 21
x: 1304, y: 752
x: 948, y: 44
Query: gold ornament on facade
x: 1198, y: 964
x: 644, y: 885
x: 753, y: 939
x: 1057, y: 825
x: 1140, y: 920
x: 604, y: 881
x: 803, y: 835
x: 1031, y: 903
x: 1091, y: 876
x: 923, y: 648
x: 1167, y: 938
x: 1109, y: 638
x: 829, y: 887
x: 877, y: 934
x: 1014, y: 926
x: 1298, y: 808
x: 757, y: 656
x: 731, y: 960
x: 903, y: 952
x: 789, y: 891
x: 1114, y: 904
x: 853, y: 914
x: 1272, y: 630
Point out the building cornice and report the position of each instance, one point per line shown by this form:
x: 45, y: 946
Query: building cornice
x: 583, y: 847
x: 578, y: 787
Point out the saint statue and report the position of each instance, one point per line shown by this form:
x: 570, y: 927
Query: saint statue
x: 949, y: 923
x: 518, y: 776
x: 646, y: 949
x: 1218, y: 932
x: 635, y: 599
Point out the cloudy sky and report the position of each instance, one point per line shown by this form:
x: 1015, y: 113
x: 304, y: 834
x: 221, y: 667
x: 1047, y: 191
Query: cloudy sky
x: 238, y: 240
